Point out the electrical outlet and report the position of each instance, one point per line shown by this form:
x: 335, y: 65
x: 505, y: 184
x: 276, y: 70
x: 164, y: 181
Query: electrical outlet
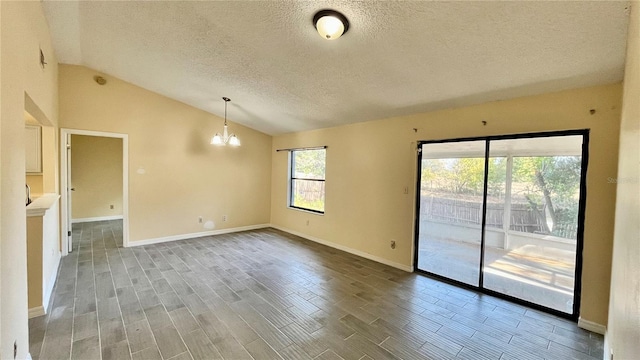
x: 111, y: 207
x: 224, y: 218
x: 199, y: 219
x: 393, y: 244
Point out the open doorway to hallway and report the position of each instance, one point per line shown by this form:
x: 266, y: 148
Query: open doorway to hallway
x: 94, y: 181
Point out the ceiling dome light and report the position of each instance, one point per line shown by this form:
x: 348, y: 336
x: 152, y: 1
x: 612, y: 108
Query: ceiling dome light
x: 330, y: 24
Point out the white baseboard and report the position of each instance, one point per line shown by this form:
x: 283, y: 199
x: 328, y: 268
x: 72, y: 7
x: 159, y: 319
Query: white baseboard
x: 99, y: 218
x: 195, y: 235
x: 262, y: 226
x: 346, y: 249
x: 36, y: 311
x: 46, y: 298
x: 608, y: 351
x: 592, y: 326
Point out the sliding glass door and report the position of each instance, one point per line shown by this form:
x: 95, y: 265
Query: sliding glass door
x: 503, y: 214
x: 536, y: 259
x: 451, y: 209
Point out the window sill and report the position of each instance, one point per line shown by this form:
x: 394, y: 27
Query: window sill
x: 305, y: 211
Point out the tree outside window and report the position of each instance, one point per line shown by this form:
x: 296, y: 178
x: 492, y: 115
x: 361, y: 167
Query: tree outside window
x: 307, y: 169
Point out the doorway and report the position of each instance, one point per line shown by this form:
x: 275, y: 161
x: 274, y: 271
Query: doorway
x: 505, y: 215
x: 68, y: 188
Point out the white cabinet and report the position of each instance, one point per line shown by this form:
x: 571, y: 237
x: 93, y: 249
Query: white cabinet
x: 33, y: 149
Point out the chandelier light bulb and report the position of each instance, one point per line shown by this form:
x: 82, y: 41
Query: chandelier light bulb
x: 216, y: 139
x: 234, y: 141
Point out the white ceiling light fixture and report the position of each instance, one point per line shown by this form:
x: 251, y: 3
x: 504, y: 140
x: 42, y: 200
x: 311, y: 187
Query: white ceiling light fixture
x: 225, y: 138
x: 330, y: 24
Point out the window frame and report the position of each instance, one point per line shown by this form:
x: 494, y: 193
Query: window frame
x: 291, y: 178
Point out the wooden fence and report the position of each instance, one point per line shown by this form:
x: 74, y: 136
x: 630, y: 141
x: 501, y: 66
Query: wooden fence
x: 309, y: 191
x: 523, y: 216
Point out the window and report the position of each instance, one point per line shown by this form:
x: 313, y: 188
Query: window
x: 306, y: 179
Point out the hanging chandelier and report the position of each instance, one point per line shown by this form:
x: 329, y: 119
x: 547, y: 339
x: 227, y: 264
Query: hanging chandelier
x: 225, y: 138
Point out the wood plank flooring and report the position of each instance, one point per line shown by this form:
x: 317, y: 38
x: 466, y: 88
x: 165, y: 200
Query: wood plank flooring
x: 266, y: 294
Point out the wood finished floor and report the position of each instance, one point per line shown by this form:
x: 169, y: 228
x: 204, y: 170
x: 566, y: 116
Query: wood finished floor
x: 268, y: 295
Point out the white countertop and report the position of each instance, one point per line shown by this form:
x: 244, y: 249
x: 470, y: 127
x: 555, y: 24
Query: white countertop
x: 40, y: 205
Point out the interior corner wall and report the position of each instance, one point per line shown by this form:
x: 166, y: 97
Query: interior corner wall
x: 96, y: 176
x: 369, y: 165
x: 175, y: 174
x: 623, y: 330
x: 23, y: 33
x: 1, y: 152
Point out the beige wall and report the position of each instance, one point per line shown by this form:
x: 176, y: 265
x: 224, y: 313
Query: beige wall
x: 23, y: 30
x: 2, y: 347
x: 369, y: 165
x: 34, y: 260
x: 50, y: 151
x: 43, y: 255
x: 175, y: 175
x: 96, y: 174
x: 623, y: 333
x: 35, y: 183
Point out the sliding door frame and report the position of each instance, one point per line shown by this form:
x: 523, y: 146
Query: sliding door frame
x: 577, y: 286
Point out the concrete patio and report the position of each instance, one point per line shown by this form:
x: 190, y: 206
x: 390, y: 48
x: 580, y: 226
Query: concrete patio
x: 530, y: 272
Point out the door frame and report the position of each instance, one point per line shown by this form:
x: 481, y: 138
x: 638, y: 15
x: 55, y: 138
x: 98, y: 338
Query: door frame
x: 64, y: 190
x: 577, y: 288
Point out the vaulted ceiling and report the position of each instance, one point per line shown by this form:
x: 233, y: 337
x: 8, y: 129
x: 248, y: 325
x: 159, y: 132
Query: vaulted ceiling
x: 397, y: 58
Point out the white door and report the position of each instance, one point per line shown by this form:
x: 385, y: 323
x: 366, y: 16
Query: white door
x: 69, y: 191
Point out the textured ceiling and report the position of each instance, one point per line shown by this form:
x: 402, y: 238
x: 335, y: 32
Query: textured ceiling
x: 398, y: 58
